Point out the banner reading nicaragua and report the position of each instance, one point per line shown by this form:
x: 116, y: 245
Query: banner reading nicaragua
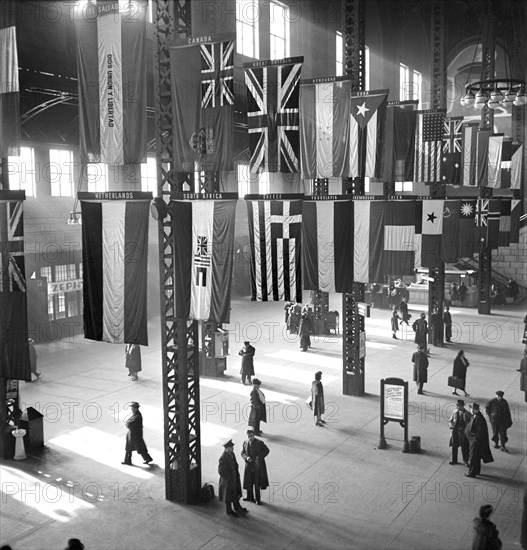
x: 203, y: 258
x: 111, y: 59
x: 114, y: 261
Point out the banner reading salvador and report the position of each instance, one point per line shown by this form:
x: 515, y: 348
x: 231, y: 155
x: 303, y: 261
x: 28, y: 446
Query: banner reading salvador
x: 114, y: 261
x: 327, y: 245
x: 111, y: 60
x: 203, y: 258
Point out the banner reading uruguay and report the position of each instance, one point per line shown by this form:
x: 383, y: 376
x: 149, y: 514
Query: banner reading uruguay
x: 203, y: 258
x: 114, y: 261
x: 327, y: 245
x: 111, y: 60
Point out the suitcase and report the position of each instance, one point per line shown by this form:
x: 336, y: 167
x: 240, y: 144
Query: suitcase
x: 454, y: 382
x: 415, y: 444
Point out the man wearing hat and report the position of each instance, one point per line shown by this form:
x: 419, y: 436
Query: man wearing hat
x: 420, y: 327
x: 258, y: 411
x: 478, y: 439
x: 247, y: 369
x: 420, y: 361
x: 485, y: 532
x: 458, y: 422
x: 230, y: 486
x: 500, y: 419
x: 255, y: 477
x: 134, y: 436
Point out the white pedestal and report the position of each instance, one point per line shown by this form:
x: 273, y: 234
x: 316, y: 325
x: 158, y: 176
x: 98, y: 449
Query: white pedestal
x: 20, y: 450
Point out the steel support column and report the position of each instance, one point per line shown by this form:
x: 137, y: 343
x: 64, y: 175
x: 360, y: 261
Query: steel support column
x: 179, y: 337
x: 353, y: 375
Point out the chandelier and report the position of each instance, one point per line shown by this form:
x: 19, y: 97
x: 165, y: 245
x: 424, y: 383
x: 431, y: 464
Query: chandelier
x: 493, y: 93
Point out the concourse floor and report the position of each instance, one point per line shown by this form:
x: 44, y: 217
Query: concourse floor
x: 331, y: 487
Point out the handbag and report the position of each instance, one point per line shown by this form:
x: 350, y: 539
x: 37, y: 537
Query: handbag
x: 455, y: 382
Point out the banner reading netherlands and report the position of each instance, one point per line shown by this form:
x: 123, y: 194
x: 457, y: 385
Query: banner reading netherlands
x: 111, y: 59
x: 115, y: 261
x: 203, y: 258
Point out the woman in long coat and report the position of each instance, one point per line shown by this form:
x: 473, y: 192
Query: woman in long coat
x: 395, y: 323
x: 317, y: 399
x: 133, y: 360
x: 460, y: 371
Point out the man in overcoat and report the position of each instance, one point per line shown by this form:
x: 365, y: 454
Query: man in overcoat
x: 134, y: 436
x: 258, y: 411
x: 420, y: 361
x: 420, y: 327
x: 247, y: 369
x: 458, y: 423
x: 500, y: 420
x: 133, y: 360
x: 255, y: 477
x: 477, y: 434
x: 230, y: 486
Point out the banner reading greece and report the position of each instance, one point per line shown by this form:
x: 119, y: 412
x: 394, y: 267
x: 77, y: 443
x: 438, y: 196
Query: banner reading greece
x: 111, y: 59
x: 203, y: 258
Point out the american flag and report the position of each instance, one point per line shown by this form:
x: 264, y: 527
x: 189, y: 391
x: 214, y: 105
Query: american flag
x: 428, y: 144
x: 12, y: 276
x: 273, y: 97
x: 217, y: 74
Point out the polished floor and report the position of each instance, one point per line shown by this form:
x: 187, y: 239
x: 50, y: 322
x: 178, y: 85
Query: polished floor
x: 331, y: 487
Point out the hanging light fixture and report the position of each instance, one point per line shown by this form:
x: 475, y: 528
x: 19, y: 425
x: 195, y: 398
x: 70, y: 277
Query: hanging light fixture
x: 493, y: 93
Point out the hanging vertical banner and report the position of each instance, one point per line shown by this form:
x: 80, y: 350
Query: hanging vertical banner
x: 14, y: 351
x: 452, y: 148
x: 202, y: 71
x: 516, y: 165
x: 398, y: 257
x: 495, y: 149
x: 368, y: 221
x: 469, y: 134
x: 428, y: 145
x: 432, y: 232
x: 273, y: 88
x: 115, y: 262
x: 9, y: 94
x: 111, y: 61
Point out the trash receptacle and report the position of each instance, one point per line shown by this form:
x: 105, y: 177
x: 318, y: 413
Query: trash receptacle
x: 9, y: 443
x: 33, y: 422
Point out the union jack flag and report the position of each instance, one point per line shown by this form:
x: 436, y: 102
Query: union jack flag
x: 217, y: 74
x: 482, y: 213
x: 202, y: 256
x: 273, y: 96
x: 12, y: 273
x: 452, y: 147
x: 452, y: 135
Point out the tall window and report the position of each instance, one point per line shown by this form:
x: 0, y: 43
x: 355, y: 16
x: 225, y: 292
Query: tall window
x: 279, y: 28
x: 339, y: 54
x: 244, y: 180
x: 417, y: 86
x: 97, y: 177
x: 367, y: 68
x: 264, y: 184
x: 61, y: 172
x: 247, y: 14
x: 21, y: 171
x: 149, y: 175
x: 405, y: 84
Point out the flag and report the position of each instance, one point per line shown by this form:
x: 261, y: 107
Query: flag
x: 432, y: 231
x: 327, y: 245
x: 203, y: 258
x: 495, y: 149
x: 114, y: 265
x: 482, y: 157
x: 14, y: 351
x: 516, y: 165
x: 505, y: 164
x: 428, y: 143
x: 203, y: 103
x: 505, y: 223
x: 366, y: 131
x: 272, y: 111
x: 368, y: 221
x: 493, y: 222
x: 450, y: 240
x: 275, y: 240
x: 516, y: 211
x: 9, y: 94
x: 398, y: 257
x: 452, y: 148
x: 324, y: 128
x: 481, y: 222
x: 467, y: 229
x: 399, y: 141
x: 469, y: 133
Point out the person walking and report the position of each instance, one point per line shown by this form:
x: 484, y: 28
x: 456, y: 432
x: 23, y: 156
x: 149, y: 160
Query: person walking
x: 255, y: 477
x: 512, y: 289
x: 478, y: 439
x: 462, y: 292
x: 447, y: 321
x: 134, y: 436
x: 420, y: 327
x: 317, y: 399
x: 460, y: 371
x: 500, y: 418
x: 133, y: 360
x: 403, y: 308
x: 458, y: 423
x: 33, y: 358
x: 485, y: 532
x: 258, y: 411
x: 523, y: 374
x: 247, y: 368
x: 420, y: 361
x: 230, y: 485
x: 436, y: 327
x: 305, y: 331
x: 395, y: 323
